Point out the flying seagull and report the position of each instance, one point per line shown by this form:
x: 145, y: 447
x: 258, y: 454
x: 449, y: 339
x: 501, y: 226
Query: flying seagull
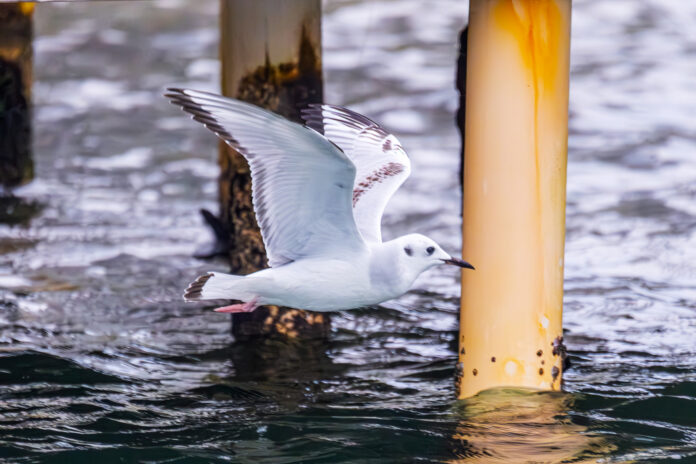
x: 319, y: 191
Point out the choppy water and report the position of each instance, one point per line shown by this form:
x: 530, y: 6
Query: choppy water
x: 100, y: 361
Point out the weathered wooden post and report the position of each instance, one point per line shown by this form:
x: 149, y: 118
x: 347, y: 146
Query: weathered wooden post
x: 271, y: 56
x: 514, y: 194
x: 16, y: 166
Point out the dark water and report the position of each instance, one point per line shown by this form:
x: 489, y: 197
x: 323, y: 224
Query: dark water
x: 101, y: 361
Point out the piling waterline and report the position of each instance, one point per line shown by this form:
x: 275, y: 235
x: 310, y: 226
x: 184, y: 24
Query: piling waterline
x: 516, y: 132
x: 271, y: 57
x: 16, y: 165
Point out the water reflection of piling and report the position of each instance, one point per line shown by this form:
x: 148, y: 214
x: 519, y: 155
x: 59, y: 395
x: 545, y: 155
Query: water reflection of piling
x: 270, y: 52
x: 16, y: 166
x: 504, y: 426
x: 514, y: 194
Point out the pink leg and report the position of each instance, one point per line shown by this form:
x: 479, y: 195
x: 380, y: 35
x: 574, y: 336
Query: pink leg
x: 238, y: 308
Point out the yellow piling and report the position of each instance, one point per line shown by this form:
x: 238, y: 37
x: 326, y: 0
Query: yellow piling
x: 271, y: 57
x: 516, y: 132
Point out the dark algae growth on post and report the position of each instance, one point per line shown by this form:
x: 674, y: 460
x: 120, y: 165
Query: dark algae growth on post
x: 101, y: 361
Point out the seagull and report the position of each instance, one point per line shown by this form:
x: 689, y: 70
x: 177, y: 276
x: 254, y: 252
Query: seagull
x: 319, y: 191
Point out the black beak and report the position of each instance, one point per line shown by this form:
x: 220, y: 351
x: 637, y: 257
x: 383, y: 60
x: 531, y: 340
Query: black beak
x: 458, y: 262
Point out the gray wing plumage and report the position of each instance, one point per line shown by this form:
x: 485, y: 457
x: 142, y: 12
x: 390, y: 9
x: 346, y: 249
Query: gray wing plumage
x: 301, y: 183
x: 381, y: 163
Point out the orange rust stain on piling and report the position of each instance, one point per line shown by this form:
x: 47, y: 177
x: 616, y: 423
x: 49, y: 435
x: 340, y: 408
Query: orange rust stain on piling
x: 27, y: 7
x: 536, y: 28
x: 535, y: 25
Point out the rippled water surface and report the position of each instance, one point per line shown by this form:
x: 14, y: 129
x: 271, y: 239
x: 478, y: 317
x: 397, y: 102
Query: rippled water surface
x: 101, y: 361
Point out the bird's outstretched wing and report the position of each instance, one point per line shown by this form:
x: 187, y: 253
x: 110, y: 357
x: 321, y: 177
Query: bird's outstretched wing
x: 301, y: 183
x: 381, y: 163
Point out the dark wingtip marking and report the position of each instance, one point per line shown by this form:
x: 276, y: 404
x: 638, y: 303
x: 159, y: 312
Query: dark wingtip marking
x: 193, y: 291
x: 313, y: 117
x: 174, y: 92
x: 187, y: 103
x: 317, y: 116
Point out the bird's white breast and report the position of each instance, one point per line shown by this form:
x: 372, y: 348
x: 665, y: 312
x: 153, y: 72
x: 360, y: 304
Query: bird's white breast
x: 330, y: 284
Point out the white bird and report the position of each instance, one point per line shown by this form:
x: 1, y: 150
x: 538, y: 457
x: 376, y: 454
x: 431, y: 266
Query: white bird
x: 319, y: 192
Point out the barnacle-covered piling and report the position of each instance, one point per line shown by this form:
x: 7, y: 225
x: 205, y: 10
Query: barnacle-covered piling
x: 516, y: 131
x: 271, y: 57
x: 16, y: 166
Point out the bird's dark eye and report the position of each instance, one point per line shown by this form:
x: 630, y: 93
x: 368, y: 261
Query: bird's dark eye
x: 408, y: 251
x: 430, y: 250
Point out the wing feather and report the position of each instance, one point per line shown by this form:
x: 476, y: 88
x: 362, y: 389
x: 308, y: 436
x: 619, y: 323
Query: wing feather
x: 301, y: 182
x: 381, y: 163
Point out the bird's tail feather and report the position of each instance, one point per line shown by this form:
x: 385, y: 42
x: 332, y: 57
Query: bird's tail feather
x: 211, y: 286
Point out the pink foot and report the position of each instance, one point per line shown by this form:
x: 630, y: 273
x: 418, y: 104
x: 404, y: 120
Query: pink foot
x: 238, y: 308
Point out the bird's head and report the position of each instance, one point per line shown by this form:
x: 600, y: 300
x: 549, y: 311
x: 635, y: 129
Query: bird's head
x: 420, y: 253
